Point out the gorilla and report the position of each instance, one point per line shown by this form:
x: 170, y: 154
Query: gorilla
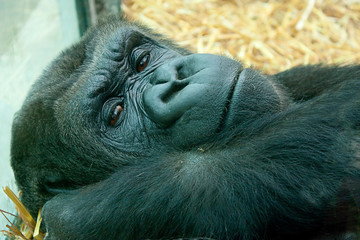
x: 128, y: 136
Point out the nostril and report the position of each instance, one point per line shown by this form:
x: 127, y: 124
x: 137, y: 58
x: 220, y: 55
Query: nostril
x: 165, y: 103
x: 176, y: 87
x: 180, y: 74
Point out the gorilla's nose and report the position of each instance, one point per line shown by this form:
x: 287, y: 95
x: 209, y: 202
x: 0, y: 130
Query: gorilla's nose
x: 184, y: 83
x: 168, y: 97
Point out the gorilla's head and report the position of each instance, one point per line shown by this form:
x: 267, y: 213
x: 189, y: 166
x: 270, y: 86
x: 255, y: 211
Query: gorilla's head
x: 227, y: 152
x: 123, y: 93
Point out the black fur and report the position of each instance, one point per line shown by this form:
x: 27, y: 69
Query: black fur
x: 242, y: 156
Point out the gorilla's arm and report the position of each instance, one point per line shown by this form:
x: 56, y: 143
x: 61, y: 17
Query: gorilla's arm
x: 170, y: 198
x: 134, y: 203
x: 162, y: 199
x: 206, y: 194
x: 306, y: 82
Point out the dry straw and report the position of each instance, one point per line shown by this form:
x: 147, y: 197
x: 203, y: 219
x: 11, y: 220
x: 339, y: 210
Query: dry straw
x: 29, y: 228
x: 267, y: 34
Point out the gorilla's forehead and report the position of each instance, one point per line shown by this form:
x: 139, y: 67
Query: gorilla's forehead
x: 111, y: 32
x: 118, y: 27
x: 104, y: 44
x: 118, y: 31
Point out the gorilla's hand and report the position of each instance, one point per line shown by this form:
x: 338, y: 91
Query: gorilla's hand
x: 58, y: 216
x: 149, y: 202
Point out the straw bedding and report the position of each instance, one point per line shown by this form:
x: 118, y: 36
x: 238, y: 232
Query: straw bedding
x: 271, y: 35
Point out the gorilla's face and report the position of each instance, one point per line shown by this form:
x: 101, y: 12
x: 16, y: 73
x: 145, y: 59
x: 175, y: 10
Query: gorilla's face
x: 125, y: 92
x: 139, y: 91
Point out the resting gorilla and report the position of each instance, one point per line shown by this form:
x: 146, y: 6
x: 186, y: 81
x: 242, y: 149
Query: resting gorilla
x: 128, y: 136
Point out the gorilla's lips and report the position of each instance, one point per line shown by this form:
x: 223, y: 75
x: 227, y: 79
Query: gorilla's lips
x: 225, y: 112
x: 252, y: 96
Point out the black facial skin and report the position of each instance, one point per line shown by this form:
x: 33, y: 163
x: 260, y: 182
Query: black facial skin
x: 128, y: 136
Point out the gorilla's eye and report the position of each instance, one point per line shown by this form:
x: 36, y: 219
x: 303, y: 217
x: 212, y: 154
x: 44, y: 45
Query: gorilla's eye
x: 142, y: 63
x: 114, y: 118
x: 112, y: 111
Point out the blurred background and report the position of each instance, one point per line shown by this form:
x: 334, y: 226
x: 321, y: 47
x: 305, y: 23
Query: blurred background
x: 270, y: 35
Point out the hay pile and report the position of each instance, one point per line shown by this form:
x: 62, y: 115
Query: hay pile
x: 24, y: 227
x: 271, y: 35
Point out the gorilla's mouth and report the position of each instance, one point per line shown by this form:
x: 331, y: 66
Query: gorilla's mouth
x: 229, y: 99
x: 251, y: 96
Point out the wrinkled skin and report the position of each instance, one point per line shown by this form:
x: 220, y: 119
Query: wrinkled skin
x: 128, y: 136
